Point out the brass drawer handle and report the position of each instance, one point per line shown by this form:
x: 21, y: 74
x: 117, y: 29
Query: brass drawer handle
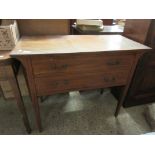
x: 112, y: 63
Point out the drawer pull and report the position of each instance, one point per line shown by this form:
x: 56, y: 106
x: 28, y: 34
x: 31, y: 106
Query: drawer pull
x: 112, y: 79
x: 64, y: 66
x: 55, y: 84
x: 52, y: 66
x: 66, y: 82
x: 112, y: 63
x: 57, y: 67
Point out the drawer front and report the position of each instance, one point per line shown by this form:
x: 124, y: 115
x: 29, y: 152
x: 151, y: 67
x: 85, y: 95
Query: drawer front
x: 61, y: 65
x: 49, y: 85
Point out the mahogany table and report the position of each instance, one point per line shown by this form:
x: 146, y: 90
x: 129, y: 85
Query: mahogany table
x: 8, y: 72
x: 56, y: 64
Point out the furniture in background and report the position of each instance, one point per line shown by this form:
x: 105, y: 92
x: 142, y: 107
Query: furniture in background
x: 8, y: 71
x: 142, y: 87
x: 63, y: 63
x: 7, y: 77
x: 105, y: 21
x: 150, y: 40
x: 141, y: 30
x: 108, y: 30
x: 29, y: 27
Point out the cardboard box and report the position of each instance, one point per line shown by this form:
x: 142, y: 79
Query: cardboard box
x: 9, y: 34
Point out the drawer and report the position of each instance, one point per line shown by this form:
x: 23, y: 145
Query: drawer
x: 49, y: 85
x: 80, y: 64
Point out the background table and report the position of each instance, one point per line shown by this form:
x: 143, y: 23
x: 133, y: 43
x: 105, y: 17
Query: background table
x: 8, y: 71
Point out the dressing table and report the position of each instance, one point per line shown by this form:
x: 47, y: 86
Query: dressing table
x: 62, y: 63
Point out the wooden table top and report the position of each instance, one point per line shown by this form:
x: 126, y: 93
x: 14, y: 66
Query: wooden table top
x: 74, y: 44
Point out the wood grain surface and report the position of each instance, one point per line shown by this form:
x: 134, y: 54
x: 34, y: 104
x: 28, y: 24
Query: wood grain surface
x: 56, y: 64
x: 137, y: 29
x: 29, y: 27
x: 74, y: 44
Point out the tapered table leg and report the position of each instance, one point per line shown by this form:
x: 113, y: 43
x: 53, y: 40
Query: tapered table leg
x: 17, y: 94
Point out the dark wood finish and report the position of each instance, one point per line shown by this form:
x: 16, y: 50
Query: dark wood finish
x: 137, y: 29
x: 142, y: 87
x: 140, y: 93
x: 75, y: 64
x: 59, y: 64
x: 26, y: 62
x: 8, y: 72
x: 150, y: 40
x: 43, y: 26
x: 141, y: 30
x: 107, y: 21
x: 125, y: 89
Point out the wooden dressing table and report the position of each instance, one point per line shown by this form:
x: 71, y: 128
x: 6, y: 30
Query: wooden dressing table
x: 56, y: 64
x: 8, y: 72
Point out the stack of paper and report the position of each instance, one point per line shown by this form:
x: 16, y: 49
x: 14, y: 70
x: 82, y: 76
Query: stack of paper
x: 89, y: 24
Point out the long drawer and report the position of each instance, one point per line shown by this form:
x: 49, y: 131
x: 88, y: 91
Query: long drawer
x: 49, y: 85
x: 60, y: 65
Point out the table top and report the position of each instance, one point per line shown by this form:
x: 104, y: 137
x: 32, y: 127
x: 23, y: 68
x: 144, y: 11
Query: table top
x: 74, y: 44
x: 107, y: 29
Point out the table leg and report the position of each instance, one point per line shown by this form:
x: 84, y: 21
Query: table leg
x: 119, y: 104
x: 16, y: 90
x: 26, y: 62
x: 2, y: 93
x: 125, y: 91
x: 37, y: 111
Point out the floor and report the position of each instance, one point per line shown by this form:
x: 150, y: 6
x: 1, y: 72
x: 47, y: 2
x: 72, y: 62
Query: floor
x: 76, y: 113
